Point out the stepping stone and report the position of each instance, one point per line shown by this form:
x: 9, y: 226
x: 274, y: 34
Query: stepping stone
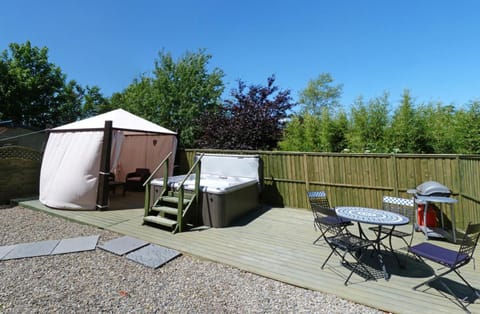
x: 79, y: 244
x: 153, y: 255
x: 4, y: 250
x: 32, y: 249
x: 123, y: 245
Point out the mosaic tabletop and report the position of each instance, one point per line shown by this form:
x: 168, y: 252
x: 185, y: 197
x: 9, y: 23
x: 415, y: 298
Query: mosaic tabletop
x: 371, y: 216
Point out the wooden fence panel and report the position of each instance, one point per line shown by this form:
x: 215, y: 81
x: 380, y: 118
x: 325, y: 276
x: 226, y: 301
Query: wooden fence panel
x: 349, y: 179
x: 469, y: 185
x: 357, y: 179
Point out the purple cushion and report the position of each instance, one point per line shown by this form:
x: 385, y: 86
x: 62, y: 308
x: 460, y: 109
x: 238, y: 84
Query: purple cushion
x: 332, y: 220
x: 438, y: 254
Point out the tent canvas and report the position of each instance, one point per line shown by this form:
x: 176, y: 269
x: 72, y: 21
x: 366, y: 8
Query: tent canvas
x: 70, y: 170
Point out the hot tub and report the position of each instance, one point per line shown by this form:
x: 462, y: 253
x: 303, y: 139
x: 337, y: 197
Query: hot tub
x: 229, y: 184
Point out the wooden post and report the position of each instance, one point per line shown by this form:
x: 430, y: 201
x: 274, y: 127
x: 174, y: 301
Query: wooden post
x: 103, y: 188
x: 395, y: 174
x: 305, y: 172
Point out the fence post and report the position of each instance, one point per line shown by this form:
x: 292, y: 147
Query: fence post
x: 395, y: 175
x: 305, y: 172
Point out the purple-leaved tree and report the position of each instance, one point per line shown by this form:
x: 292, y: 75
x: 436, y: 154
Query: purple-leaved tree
x: 253, y: 119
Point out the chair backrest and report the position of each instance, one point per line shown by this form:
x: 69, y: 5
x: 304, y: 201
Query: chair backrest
x: 319, y: 203
x: 142, y: 171
x: 469, y: 242
x: 399, y: 205
x: 321, y: 209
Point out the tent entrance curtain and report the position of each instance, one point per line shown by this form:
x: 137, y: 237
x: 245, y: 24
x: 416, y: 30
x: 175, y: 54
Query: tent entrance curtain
x: 69, y: 172
x: 117, y: 142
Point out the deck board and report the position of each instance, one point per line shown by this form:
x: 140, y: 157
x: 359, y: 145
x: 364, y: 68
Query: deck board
x: 277, y: 243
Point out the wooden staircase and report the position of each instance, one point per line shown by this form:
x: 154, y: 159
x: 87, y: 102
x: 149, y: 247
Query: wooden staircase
x: 174, y: 209
x: 165, y: 211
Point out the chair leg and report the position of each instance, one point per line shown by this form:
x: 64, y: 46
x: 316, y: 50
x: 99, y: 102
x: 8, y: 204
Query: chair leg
x: 319, y: 237
x: 435, y: 277
x: 468, y: 284
x: 326, y: 260
x: 451, y: 293
x: 439, y: 277
x: 395, y: 255
x: 357, y: 264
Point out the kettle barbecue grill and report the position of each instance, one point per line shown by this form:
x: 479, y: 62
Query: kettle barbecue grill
x: 432, y: 188
x: 433, y: 192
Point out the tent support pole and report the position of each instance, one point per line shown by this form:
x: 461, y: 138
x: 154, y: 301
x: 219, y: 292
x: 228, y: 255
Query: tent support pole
x: 103, y: 188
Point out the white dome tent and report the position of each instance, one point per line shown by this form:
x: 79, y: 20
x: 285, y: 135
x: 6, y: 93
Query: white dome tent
x: 72, y: 162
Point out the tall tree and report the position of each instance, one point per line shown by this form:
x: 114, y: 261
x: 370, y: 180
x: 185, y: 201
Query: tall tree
x: 33, y: 91
x: 407, y: 131
x: 175, y: 94
x: 294, y: 138
x: 320, y: 93
x: 441, y: 127
x: 314, y: 127
x: 468, y: 129
x: 368, y: 124
x: 94, y: 102
x: 338, y: 132
x: 302, y: 134
x: 252, y: 119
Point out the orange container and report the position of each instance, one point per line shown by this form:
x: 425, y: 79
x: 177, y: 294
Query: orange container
x: 431, y: 216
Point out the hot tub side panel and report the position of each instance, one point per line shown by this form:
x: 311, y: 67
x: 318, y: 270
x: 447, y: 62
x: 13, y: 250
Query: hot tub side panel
x: 220, y: 210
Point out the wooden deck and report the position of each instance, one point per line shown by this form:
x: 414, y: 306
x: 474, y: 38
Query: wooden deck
x: 277, y: 243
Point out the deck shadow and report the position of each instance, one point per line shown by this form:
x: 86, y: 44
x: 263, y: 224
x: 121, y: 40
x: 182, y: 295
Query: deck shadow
x: 250, y: 216
x: 462, y: 294
x: 128, y: 201
x: 409, y: 266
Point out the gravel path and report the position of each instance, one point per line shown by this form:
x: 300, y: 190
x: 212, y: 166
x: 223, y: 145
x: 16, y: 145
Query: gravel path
x: 98, y: 281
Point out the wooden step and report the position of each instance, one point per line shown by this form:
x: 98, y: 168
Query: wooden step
x: 160, y: 221
x: 186, y: 194
x: 173, y: 199
x: 166, y: 209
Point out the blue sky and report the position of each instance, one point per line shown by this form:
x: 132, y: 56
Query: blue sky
x: 428, y: 46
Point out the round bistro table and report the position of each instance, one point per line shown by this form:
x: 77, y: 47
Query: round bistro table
x: 377, y: 217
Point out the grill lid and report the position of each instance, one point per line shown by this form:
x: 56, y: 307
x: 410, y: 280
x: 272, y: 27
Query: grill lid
x: 433, y: 188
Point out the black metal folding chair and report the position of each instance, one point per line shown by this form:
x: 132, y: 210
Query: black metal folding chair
x: 450, y: 259
x: 324, y: 214
x: 402, y: 206
x: 342, y: 242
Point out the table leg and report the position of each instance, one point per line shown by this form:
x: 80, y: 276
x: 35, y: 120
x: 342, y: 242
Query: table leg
x: 378, y: 240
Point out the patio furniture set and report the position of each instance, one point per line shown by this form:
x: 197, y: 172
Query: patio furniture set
x: 133, y: 181
x: 353, y: 248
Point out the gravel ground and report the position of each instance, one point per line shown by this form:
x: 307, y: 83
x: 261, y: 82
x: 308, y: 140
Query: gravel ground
x: 98, y: 281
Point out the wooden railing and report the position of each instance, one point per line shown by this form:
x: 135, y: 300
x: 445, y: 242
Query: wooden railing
x: 181, y: 192
x: 164, y: 163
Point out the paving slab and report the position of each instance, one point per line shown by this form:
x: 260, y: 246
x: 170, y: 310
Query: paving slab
x: 32, y: 249
x: 4, y: 250
x: 79, y: 244
x: 153, y: 255
x: 123, y: 245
